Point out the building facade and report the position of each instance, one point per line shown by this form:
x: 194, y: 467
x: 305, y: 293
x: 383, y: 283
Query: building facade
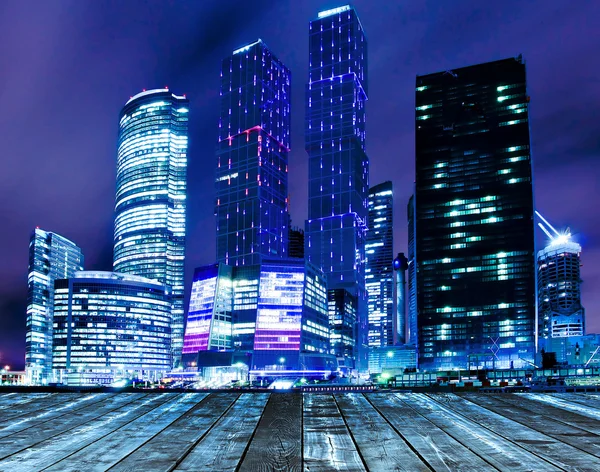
x: 109, y: 326
x: 412, y: 335
x: 343, y: 326
x: 296, y: 242
x: 559, y: 289
x: 474, y: 217
x: 338, y: 164
x: 379, y: 250
x: 150, y: 208
x: 51, y: 257
x: 252, y: 157
x: 272, y: 311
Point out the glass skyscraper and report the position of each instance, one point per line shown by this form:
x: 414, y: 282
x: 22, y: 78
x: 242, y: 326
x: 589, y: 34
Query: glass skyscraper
x: 110, y: 325
x: 412, y: 337
x: 151, y: 195
x: 51, y: 257
x: 252, y: 157
x: 379, y: 249
x: 338, y: 164
x: 474, y: 218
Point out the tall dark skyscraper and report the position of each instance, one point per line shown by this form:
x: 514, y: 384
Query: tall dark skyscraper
x: 51, y: 257
x: 379, y: 249
x: 252, y: 157
x: 338, y: 164
x: 474, y: 217
x: 412, y: 322
x: 151, y: 195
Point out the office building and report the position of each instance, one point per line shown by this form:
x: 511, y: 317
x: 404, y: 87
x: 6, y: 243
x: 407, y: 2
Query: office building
x: 150, y: 206
x: 474, y: 218
x: 343, y: 313
x: 572, y: 350
x: 560, y: 313
x: 412, y: 336
x: 296, y: 242
x: 392, y: 360
x: 338, y: 164
x: 272, y: 316
x: 379, y: 250
x: 110, y: 326
x: 252, y: 157
x: 51, y: 257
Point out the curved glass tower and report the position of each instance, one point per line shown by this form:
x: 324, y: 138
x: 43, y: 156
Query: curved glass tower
x: 150, y: 196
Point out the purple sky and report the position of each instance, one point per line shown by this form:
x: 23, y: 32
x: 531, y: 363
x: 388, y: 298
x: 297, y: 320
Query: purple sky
x: 67, y: 68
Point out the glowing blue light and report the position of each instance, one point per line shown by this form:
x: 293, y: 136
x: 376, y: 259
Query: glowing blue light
x: 333, y: 11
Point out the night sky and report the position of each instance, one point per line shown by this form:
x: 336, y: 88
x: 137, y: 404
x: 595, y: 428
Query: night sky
x: 67, y: 68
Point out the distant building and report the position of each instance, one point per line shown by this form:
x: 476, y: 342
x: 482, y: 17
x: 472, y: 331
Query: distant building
x: 392, y: 360
x: 379, y: 252
x: 110, y: 326
x: 474, y: 228
x: 560, y: 313
x: 150, y: 207
x: 338, y: 166
x: 296, y: 241
x: 573, y: 350
x: 412, y: 276
x: 272, y: 316
x: 51, y: 257
x: 252, y: 157
x: 343, y: 307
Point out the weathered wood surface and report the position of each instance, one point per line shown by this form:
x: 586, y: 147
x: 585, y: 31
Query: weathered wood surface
x: 502, y: 420
x: 56, y: 448
x: 128, y: 438
x: 313, y: 432
x: 440, y: 450
x: 277, y: 441
x: 380, y: 446
x: 502, y: 453
x: 328, y: 445
x: 223, y: 446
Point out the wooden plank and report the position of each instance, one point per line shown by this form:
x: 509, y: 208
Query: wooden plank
x: 128, y: 438
x: 11, y: 400
x: 553, y: 414
x: 440, y: 450
x: 586, y: 399
x: 56, y: 448
x: 222, y: 448
x: 52, y: 416
x: 520, y: 428
x: 42, y: 430
x: 276, y: 444
x: 381, y: 448
x: 165, y: 450
x: 328, y: 444
x: 585, y: 410
x: 497, y: 450
x: 48, y: 403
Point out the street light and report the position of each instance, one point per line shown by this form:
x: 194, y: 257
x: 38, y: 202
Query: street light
x: 281, y: 361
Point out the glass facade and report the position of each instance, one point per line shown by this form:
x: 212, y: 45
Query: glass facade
x: 342, y: 325
x: 338, y: 164
x: 379, y: 278
x: 474, y: 217
x: 559, y: 290
x: 252, y: 157
x: 109, y: 323
x: 151, y: 195
x: 51, y: 257
x: 412, y: 276
x: 274, y: 310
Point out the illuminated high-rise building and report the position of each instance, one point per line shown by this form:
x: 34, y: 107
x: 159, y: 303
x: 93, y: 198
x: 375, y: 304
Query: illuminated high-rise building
x: 379, y: 249
x: 560, y: 313
x: 252, y: 157
x: 474, y: 218
x: 150, y: 206
x: 51, y: 257
x: 110, y: 326
x: 338, y: 164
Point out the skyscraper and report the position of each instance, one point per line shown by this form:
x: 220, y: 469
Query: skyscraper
x: 151, y: 195
x: 412, y: 276
x: 379, y: 249
x: 474, y: 217
x: 51, y: 257
x: 296, y: 242
x: 338, y: 164
x: 252, y: 157
x: 560, y: 313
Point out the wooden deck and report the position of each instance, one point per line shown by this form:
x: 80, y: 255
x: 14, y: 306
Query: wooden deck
x: 233, y: 431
